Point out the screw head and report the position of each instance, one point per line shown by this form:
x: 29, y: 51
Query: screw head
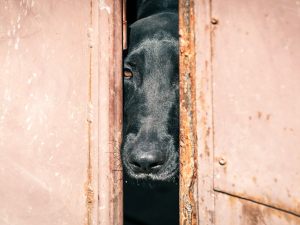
x: 214, y: 21
x: 222, y: 162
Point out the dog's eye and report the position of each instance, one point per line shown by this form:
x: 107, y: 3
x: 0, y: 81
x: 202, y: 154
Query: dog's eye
x: 127, y: 74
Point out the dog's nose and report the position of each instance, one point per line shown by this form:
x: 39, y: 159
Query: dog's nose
x: 147, y: 162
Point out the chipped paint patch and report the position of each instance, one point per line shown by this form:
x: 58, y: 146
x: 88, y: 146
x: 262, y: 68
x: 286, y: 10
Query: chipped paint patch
x: 104, y: 6
x: 188, y: 140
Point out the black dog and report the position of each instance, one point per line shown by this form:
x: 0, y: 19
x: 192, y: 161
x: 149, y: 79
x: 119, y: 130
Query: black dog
x: 151, y: 124
x: 150, y: 134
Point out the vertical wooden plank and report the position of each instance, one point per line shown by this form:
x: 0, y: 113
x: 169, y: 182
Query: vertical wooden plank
x: 110, y: 112
x: 188, y: 141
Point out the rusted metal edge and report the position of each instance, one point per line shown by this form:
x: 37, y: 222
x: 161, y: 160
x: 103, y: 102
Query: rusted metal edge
x: 257, y: 201
x: 204, y: 104
x: 188, y: 123
x: 116, y: 114
x: 89, y: 189
x: 110, y: 208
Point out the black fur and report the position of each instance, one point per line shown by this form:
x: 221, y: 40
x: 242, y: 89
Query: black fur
x: 151, y: 95
x: 151, y: 123
x: 150, y: 7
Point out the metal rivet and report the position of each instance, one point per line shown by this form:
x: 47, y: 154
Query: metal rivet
x: 214, y: 21
x: 222, y: 162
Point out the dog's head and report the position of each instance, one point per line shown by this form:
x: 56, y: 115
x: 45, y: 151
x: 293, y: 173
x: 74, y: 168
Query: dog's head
x: 151, y: 126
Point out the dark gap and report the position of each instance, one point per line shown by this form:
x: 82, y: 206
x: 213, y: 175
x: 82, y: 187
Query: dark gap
x: 148, y: 202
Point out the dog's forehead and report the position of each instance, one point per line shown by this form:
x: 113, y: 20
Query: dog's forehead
x: 150, y: 7
x: 157, y: 44
x: 155, y: 25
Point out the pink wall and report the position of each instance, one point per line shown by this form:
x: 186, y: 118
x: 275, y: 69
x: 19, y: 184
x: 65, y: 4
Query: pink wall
x: 52, y: 93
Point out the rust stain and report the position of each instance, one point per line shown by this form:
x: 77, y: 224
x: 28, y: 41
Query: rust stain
x: 207, y: 151
x: 211, y: 216
x: 288, y: 193
x: 269, y: 203
x: 212, y: 40
x: 188, y: 139
x: 259, y: 114
x: 252, y: 215
x: 207, y: 133
x: 232, y: 202
x: 89, y: 192
x: 288, y: 129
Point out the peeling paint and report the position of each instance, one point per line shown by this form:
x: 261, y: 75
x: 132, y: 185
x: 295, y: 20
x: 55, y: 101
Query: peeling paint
x: 104, y: 6
x: 188, y: 142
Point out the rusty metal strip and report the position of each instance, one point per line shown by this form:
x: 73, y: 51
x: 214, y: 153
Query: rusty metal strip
x: 90, y: 183
x: 188, y: 139
x: 110, y: 112
x: 116, y: 115
x: 204, y: 102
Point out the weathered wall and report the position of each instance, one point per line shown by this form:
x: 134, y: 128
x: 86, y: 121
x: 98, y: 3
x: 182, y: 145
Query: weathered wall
x: 245, y: 119
x: 255, y: 105
x: 44, y: 87
x: 60, y: 112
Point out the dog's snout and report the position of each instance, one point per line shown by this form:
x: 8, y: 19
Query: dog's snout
x: 147, y: 162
